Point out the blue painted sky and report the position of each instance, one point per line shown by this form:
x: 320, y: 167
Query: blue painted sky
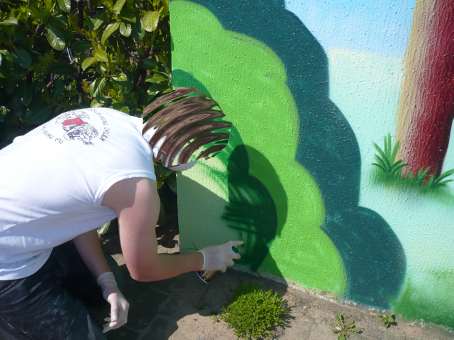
x: 377, y: 26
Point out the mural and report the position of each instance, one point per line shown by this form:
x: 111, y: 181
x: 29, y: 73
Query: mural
x: 427, y: 100
x: 310, y: 87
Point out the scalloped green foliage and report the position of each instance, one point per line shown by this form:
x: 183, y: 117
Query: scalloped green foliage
x: 54, y: 57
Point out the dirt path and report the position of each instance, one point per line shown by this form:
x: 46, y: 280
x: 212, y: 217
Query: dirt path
x: 185, y: 308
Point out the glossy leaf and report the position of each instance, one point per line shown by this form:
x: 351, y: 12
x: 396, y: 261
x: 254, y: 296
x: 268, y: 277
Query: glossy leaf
x: 95, y: 103
x: 96, y: 22
x: 56, y: 42
x: 97, y: 86
x: 9, y: 22
x: 64, y: 5
x: 150, y: 21
x: 48, y: 4
x: 88, y: 62
x: 157, y: 78
x: 125, y: 29
x: 109, y: 30
x: 101, y: 55
x: 120, y: 77
x: 118, y: 6
x: 114, y: 73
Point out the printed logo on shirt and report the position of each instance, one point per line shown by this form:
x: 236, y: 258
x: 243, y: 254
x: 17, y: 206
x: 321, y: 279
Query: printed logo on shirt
x: 86, y: 126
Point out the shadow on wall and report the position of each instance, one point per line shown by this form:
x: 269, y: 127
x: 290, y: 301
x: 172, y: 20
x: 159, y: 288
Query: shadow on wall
x: 372, y: 254
x: 251, y: 209
x: 182, y: 78
x: 250, y: 214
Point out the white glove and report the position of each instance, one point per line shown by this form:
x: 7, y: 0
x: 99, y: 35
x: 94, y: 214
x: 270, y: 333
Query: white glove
x: 119, y: 306
x: 220, y: 257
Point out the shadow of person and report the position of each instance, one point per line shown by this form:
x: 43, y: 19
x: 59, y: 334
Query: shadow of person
x: 249, y: 214
x: 327, y: 148
x: 251, y: 209
x: 157, y: 309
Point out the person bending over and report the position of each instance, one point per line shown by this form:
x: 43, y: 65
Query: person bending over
x: 58, y: 183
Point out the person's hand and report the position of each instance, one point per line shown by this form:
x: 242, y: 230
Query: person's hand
x: 119, y: 306
x: 220, y: 257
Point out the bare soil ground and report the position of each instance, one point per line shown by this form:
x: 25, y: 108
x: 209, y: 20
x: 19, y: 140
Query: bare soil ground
x: 185, y: 308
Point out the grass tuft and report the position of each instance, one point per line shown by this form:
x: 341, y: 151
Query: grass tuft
x: 391, y: 169
x: 255, y: 313
x: 385, y: 159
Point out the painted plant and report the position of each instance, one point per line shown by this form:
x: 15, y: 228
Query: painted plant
x: 310, y: 86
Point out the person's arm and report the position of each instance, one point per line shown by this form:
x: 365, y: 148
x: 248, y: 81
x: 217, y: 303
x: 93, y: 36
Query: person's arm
x: 136, y: 203
x: 90, y: 251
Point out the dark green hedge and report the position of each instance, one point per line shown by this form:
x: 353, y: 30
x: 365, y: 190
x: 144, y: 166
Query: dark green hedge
x: 57, y: 55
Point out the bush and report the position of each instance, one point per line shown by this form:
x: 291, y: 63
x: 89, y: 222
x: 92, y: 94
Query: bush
x: 254, y: 313
x: 61, y: 55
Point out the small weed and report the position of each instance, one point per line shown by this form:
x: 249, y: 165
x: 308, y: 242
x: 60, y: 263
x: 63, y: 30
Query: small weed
x: 391, y: 168
x: 389, y: 320
x: 254, y: 313
x: 345, y: 326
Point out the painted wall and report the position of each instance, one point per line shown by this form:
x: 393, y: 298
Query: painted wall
x: 310, y: 87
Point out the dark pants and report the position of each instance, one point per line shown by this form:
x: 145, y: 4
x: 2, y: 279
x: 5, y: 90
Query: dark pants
x: 48, y: 304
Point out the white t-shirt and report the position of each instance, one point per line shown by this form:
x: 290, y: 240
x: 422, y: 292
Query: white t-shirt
x: 52, y: 182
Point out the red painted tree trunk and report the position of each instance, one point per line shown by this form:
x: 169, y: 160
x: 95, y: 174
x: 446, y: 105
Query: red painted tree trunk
x: 426, y: 107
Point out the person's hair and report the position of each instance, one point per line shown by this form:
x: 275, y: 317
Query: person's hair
x: 184, y: 125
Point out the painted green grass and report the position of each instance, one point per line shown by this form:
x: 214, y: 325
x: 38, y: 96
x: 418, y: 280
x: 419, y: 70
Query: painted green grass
x: 391, y: 170
x: 385, y: 159
x: 430, y: 298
